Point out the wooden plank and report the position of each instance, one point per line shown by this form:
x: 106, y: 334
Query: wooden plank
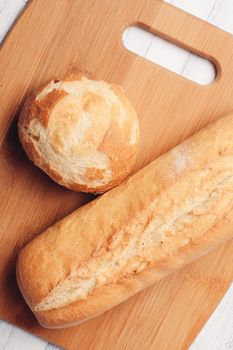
x: 76, y: 35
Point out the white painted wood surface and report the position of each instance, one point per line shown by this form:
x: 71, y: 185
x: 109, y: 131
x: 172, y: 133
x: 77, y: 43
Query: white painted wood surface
x: 218, y: 332
x: 160, y: 51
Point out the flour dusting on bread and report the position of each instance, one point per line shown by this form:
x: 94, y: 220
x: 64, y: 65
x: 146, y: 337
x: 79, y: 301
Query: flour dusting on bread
x: 180, y: 159
x: 151, y: 233
x: 83, y: 133
x: 135, y: 234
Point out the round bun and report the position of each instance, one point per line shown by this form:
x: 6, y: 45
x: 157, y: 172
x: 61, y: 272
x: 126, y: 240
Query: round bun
x: 83, y: 133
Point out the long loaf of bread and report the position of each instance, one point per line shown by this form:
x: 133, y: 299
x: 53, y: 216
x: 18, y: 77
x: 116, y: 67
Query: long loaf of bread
x: 175, y: 209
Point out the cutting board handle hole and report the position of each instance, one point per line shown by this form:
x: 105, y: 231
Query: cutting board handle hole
x: 169, y: 55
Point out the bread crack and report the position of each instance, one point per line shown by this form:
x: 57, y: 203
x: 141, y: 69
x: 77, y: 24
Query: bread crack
x: 151, y: 235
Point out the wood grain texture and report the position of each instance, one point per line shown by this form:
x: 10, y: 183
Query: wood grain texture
x: 85, y: 37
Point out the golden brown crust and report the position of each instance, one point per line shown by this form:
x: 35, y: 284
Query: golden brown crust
x: 114, y: 141
x: 40, y: 109
x: 201, y: 167
x: 115, y: 146
x: 33, y: 109
x: 111, y: 295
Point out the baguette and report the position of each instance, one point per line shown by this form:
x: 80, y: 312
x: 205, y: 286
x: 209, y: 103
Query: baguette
x: 174, y: 210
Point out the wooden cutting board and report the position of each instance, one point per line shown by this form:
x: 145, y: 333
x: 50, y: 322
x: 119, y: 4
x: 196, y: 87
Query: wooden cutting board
x: 52, y: 38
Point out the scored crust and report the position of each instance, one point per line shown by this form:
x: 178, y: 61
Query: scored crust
x: 83, y: 133
x: 169, y: 213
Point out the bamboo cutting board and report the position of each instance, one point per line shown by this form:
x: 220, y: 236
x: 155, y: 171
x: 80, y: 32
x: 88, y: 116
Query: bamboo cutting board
x: 52, y: 38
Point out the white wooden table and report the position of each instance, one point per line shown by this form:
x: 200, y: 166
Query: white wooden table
x: 218, y: 332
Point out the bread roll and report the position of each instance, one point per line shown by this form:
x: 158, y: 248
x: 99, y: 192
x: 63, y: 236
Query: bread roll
x: 171, y: 212
x: 83, y: 133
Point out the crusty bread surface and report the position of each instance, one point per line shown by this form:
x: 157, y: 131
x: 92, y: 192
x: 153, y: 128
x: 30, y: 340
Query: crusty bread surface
x: 83, y: 133
x: 172, y: 211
